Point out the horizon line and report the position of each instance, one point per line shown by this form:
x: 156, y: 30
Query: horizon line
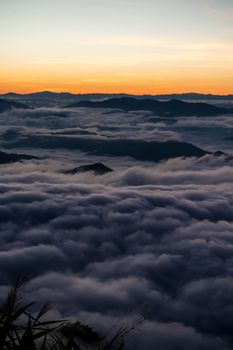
x: 114, y: 93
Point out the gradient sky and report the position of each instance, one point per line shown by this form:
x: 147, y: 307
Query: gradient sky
x: 134, y: 46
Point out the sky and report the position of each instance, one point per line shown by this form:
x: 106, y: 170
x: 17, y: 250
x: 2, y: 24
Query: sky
x: 131, y: 46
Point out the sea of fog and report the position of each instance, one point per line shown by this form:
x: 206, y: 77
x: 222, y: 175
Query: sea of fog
x: 148, y: 238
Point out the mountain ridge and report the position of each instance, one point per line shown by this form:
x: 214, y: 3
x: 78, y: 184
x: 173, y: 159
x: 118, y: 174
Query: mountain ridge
x: 6, y: 105
x: 50, y: 98
x: 186, y: 95
x: 166, y: 108
x: 154, y: 151
x: 6, y: 158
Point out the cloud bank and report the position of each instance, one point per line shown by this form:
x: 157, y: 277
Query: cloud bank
x: 150, y: 237
x: 147, y: 238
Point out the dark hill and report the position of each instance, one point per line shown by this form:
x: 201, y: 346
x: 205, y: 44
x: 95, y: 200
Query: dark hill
x: 7, y: 105
x: 97, y: 168
x: 6, y: 158
x: 162, y: 108
x: 138, y: 149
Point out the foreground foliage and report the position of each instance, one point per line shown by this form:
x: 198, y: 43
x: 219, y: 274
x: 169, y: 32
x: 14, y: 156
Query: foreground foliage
x: 21, y: 329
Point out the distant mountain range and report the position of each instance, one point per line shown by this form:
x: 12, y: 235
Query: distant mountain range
x: 6, y: 105
x: 162, y: 108
x: 54, y: 99
x: 6, y: 158
x: 48, y: 98
x: 194, y: 96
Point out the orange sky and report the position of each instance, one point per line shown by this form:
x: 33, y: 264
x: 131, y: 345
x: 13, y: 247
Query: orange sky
x: 139, y: 47
x: 116, y: 82
x: 132, y: 88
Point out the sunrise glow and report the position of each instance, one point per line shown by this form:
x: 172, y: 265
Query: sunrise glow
x: 116, y: 46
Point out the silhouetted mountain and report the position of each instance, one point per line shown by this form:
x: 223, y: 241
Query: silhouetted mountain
x: 47, y: 94
x: 97, y: 168
x: 48, y: 98
x: 6, y: 158
x: 226, y: 156
x: 141, y: 150
x: 55, y: 99
x: 194, y: 96
x: 6, y: 105
x: 50, y: 94
x: 170, y: 108
x: 11, y: 95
